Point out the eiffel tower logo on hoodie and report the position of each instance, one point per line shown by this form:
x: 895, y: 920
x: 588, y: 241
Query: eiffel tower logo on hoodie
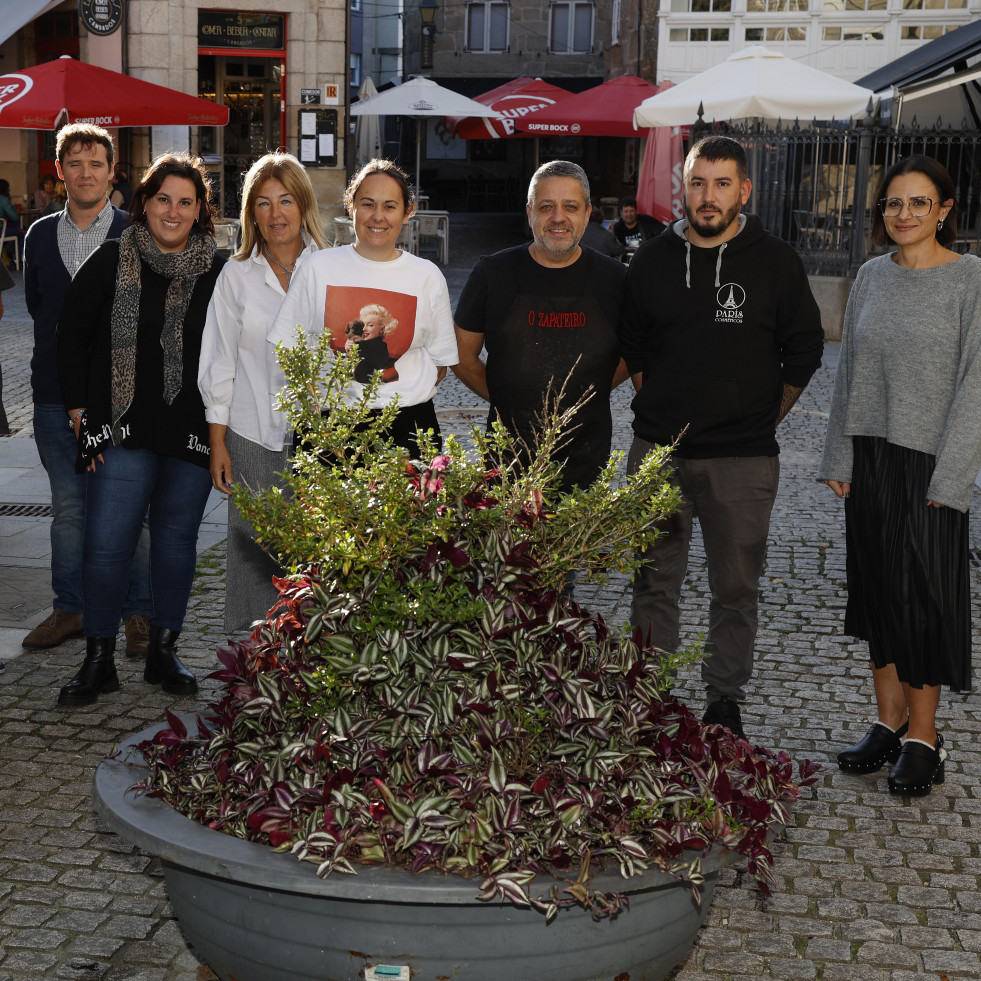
x: 729, y: 300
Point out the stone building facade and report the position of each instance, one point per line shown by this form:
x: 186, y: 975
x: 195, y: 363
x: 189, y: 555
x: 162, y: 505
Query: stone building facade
x: 268, y: 62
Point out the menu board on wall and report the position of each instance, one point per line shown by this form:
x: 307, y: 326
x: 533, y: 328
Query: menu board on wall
x: 318, y: 137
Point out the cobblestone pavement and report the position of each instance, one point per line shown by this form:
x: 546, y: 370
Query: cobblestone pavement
x: 868, y: 887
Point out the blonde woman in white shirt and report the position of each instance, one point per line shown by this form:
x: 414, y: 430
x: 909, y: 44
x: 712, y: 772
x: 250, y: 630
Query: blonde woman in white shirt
x: 238, y: 375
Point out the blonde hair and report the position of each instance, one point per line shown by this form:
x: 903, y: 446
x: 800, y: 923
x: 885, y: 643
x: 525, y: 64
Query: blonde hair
x: 375, y: 311
x: 285, y: 168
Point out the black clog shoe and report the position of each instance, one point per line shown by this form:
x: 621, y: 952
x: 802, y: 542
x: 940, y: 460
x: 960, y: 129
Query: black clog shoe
x: 880, y: 746
x: 920, y: 766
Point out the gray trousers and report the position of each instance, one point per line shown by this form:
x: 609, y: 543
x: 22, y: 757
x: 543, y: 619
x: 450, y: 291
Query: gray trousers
x: 732, y: 497
x: 249, y: 591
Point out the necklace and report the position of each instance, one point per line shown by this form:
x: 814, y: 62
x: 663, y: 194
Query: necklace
x: 286, y: 269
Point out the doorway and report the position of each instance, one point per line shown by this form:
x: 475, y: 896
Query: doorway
x: 252, y: 90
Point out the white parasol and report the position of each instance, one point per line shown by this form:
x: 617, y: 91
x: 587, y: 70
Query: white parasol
x: 420, y: 98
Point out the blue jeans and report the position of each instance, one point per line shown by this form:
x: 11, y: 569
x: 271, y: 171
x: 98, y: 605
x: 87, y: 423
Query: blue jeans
x: 57, y: 448
x: 172, y: 494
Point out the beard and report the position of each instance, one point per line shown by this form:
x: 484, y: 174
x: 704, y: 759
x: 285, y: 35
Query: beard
x: 541, y: 240
x: 718, y: 223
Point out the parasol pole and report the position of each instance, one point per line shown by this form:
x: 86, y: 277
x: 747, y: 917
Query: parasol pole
x: 419, y: 134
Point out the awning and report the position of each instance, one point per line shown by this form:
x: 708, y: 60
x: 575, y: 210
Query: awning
x: 937, y: 84
x: 14, y: 14
x: 927, y: 60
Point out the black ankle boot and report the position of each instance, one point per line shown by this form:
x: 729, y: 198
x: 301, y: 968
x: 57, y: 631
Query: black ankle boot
x: 880, y: 746
x: 163, y: 666
x: 920, y: 766
x: 96, y: 676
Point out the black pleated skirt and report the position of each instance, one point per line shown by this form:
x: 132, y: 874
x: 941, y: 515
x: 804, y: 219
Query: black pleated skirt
x: 907, y: 568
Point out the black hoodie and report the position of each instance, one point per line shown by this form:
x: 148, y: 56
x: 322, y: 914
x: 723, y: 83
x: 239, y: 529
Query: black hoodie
x: 717, y: 333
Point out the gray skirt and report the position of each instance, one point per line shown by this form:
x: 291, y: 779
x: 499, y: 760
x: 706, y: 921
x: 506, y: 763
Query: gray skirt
x: 249, y: 591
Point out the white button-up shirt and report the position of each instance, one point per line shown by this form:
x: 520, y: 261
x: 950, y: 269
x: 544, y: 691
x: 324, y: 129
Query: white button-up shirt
x: 238, y: 375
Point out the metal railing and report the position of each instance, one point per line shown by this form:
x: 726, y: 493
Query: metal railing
x: 813, y: 186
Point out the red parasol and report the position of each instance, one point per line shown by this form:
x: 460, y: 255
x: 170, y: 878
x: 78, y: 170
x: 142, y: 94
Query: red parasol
x: 68, y: 91
x: 517, y: 99
x: 605, y: 110
x: 659, y: 186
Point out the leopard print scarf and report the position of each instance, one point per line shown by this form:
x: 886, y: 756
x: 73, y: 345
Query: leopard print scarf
x: 182, y: 269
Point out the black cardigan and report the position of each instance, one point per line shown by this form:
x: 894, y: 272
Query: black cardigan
x: 85, y: 362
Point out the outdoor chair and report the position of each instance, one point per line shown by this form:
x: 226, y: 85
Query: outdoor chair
x: 435, y: 225
x: 12, y: 237
x: 343, y: 231
x: 227, y: 235
x: 408, y: 239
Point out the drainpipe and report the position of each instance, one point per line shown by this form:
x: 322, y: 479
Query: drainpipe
x: 640, y: 34
x: 346, y: 76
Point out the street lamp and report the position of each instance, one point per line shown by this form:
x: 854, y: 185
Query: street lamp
x: 428, y: 10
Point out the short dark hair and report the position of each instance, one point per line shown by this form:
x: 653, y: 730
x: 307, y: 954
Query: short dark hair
x: 628, y: 202
x: 558, y: 168
x: 175, y: 165
x: 83, y: 135
x: 4, y: 187
x: 717, y: 148
x: 937, y: 174
x: 390, y: 169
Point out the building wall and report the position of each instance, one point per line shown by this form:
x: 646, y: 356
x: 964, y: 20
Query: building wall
x: 163, y: 48
x: 382, y: 55
x: 827, y: 34
x: 527, y: 49
x: 633, y: 39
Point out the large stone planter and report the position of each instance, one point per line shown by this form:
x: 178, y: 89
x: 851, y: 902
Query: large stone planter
x: 255, y: 915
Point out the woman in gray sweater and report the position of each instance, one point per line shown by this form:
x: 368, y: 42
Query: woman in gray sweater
x: 903, y: 449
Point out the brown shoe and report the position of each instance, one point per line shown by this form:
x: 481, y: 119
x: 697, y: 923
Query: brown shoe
x: 137, y: 636
x: 56, y: 629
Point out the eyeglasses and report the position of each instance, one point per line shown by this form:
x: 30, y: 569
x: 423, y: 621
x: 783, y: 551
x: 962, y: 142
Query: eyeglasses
x: 918, y: 207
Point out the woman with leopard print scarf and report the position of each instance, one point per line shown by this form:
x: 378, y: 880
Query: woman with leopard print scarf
x: 129, y: 339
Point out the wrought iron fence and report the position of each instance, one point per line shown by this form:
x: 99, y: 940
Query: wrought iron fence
x: 813, y: 187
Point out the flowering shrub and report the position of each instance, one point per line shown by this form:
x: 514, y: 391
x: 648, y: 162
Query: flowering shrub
x: 427, y: 696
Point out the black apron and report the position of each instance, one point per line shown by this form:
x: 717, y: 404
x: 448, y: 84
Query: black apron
x: 537, y: 344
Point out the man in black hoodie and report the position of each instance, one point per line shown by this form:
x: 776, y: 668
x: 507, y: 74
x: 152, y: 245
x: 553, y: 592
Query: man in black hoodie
x: 720, y: 334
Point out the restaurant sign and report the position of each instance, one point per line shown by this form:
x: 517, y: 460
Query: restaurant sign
x: 101, y: 17
x: 241, y: 31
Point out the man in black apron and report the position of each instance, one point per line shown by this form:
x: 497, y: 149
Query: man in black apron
x: 547, y: 312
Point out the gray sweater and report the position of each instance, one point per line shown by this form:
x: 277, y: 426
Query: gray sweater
x: 910, y: 371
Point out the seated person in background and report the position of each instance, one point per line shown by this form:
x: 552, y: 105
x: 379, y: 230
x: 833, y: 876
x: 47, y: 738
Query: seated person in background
x: 8, y: 211
x: 633, y: 229
x: 58, y: 199
x: 597, y: 237
x: 122, y: 192
x: 43, y: 195
x: 6, y: 283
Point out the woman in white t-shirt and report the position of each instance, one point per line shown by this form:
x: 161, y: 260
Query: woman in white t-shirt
x: 389, y: 302
x: 238, y: 375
